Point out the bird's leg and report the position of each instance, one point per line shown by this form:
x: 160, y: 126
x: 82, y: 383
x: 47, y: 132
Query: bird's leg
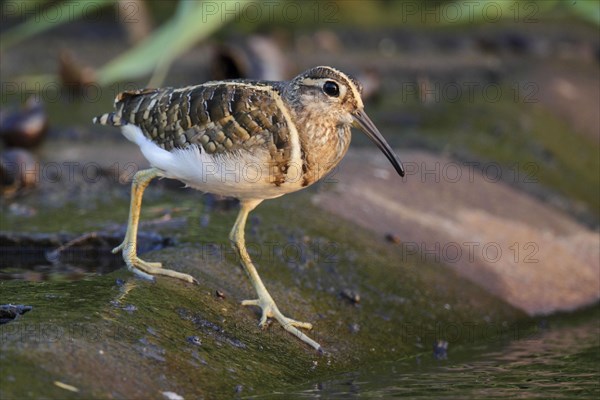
x: 264, y: 301
x: 136, y: 265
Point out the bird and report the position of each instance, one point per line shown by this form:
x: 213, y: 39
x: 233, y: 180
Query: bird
x: 248, y: 139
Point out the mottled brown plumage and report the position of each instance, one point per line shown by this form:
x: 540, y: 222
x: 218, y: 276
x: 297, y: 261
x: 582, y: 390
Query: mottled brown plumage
x: 293, y: 132
x: 217, y: 117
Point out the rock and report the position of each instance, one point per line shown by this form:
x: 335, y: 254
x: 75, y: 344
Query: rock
x: 172, y: 396
x: 204, y: 345
x: 440, y: 350
x: 8, y: 312
x: 25, y: 128
x: 195, y: 340
x: 256, y: 57
x: 350, y: 295
x: 19, y: 169
x: 393, y: 238
x: 531, y: 255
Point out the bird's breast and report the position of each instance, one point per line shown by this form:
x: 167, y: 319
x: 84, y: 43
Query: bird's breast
x: 322, y: 150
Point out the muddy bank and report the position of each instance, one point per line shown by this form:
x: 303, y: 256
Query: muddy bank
x: 114, y: 335
x: 528, y: 253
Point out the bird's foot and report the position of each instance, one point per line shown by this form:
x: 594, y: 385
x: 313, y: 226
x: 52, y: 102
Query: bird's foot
x: 270, y: 310
x: 145, y: 269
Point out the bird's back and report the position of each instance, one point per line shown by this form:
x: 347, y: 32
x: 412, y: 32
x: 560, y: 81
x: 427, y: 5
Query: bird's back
x: 220, y: 116
x: 225, y: 118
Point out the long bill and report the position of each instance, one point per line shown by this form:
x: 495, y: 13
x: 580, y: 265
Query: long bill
x: 364, y: 123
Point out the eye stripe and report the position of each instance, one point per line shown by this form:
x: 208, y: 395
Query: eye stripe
x: 314, y: 82
x: 343, y: 86
x: 349, y: 84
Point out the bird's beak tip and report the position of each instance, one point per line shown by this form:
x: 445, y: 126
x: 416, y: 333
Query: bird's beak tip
x: 364, y: 123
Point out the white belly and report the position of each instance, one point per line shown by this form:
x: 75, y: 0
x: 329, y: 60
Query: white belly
x: 241, y: 174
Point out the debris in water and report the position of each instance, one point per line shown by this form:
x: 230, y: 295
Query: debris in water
x: 66, y: 387
x: 393, y: 238
x: 350, y: 295
x: 9, y: 312
x: 195, y: 340
x: 440, y: 350
x: 172, y: 396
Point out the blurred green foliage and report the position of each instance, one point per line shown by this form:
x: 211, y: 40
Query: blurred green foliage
x: 191, y: 21
x: 62, y: 13
x: 189, y: 25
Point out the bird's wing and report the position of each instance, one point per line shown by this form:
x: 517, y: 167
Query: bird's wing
x: 218, y: 117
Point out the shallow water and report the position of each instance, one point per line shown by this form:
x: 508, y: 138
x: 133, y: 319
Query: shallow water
x: 560, y: 360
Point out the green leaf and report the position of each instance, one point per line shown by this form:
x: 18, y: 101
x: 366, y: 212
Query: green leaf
x: 51, y: 17
x: 588, y: 9
x: 193, y: 22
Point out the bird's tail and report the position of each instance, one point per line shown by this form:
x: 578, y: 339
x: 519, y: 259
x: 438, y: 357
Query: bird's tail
x: 108, y: 119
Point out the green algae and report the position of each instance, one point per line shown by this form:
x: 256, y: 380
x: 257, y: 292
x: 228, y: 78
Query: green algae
x: 532, y: 146
x: 139, y: 334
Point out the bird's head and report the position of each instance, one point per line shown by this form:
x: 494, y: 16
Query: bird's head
x: 326, y: 94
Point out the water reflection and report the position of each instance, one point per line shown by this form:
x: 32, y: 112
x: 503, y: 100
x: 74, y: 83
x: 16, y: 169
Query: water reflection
x: 40, y: 256
x: 559, y: 361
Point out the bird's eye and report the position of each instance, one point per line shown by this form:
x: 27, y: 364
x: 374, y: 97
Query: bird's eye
x: 331, y: 89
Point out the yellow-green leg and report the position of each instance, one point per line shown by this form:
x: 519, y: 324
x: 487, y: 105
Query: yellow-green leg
x: 264, y: 301
x: 135, y: 264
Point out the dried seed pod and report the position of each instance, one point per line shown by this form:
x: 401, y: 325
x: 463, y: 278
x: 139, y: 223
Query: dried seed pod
x: 18, y: 170
x: 26, y: 127
x: 72, y: 73
x: 257, y: 57
x: 393, y: 238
